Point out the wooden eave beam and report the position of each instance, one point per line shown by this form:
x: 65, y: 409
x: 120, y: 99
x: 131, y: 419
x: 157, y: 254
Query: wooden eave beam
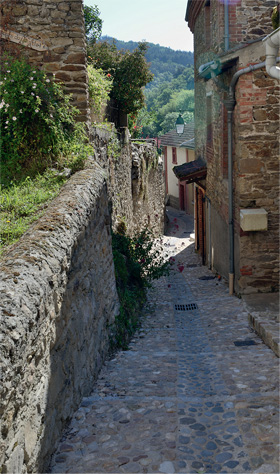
x: 193, y: 11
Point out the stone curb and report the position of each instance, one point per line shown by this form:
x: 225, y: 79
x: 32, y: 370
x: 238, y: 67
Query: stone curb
x: 269, y: 332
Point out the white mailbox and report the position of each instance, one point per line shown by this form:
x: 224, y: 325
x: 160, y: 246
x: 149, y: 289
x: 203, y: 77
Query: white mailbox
x: 253, y: 219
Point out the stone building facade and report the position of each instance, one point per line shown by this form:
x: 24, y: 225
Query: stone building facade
x: 52, y: 34
x: 221, y: 55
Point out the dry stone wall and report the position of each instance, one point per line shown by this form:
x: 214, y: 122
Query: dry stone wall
x: 58, y: 27
x: 135, y: 180
x: 58, y: 297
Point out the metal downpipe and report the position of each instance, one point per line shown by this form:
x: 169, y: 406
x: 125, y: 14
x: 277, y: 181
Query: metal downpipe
x: 230, y: 103
x: 226, y: 25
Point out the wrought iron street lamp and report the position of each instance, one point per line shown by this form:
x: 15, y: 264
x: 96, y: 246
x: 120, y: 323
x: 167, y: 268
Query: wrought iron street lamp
x: 179, y: 124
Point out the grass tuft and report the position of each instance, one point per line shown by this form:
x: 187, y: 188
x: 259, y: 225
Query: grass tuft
x: 23, y: 203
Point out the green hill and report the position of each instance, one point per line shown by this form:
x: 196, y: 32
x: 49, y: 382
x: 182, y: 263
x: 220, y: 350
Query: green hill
x: 170, y: 91
x: 165, y: 63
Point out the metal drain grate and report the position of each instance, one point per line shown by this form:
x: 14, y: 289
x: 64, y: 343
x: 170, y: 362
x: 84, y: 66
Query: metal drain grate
x: 206, y: 277
x: 249, y: 342
x: 186, y: 307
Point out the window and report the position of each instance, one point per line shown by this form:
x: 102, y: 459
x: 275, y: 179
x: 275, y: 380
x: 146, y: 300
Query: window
x: 174, y: 155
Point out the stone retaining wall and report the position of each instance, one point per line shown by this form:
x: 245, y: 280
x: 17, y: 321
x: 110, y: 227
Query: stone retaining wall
x: 58, y: 296
x: 135, y: 183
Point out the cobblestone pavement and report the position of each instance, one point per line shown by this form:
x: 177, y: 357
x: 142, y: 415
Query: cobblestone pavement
x: 197, y: 391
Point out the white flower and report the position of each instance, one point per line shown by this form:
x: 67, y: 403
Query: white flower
x: 1, y: 83
x: 7, y: 122
x: 51, y: 115
x: 6, y: 126
x: 37, y: 110
x: 32, y: 93
x: 20, y: 111
x: 14, y: 118
x: 33, y: 87
x: 2, y: 104
x: 34, y: 72
x: 47, y: 80
x: 8, y: 71
x: 7, y: 105
x: 31, y: 78
x: 22, y: 92
x: 5, y: 78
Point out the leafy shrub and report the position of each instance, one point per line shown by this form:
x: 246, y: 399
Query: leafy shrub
x: 99, y: 86
x: 137, y: 262
x: 38, y: 124
x: 129, y: 71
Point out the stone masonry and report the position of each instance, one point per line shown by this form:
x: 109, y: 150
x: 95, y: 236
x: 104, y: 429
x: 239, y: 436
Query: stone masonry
x: 255, y: 137
x: 135, y: 180
x: 59, y: 299
x: 59, y: 26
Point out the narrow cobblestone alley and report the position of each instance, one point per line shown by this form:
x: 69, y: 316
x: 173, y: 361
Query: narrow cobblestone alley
x: 197, y: 391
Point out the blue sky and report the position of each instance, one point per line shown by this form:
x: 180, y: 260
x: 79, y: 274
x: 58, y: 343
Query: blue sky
x: 156, y: 21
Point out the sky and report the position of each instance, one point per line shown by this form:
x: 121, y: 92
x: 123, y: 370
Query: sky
x: 155, y: 21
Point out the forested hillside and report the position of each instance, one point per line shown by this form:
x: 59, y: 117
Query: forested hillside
x: 170, y: 91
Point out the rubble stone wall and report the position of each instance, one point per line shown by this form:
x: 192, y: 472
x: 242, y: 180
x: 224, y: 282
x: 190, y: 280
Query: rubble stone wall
x: 58, y: 295
x: 58, y: 298
x: 135, y: 180
x: 257, y: 168
x: 59, y: 26
x: 249, y: 20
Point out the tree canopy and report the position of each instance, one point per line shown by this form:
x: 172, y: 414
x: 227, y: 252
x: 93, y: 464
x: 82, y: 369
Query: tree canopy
x: 129, y: 72
x: 93, y: 23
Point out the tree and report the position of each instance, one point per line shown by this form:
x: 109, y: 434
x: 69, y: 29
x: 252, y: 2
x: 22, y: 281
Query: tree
x: 129, y: 71
x: 93, y: 24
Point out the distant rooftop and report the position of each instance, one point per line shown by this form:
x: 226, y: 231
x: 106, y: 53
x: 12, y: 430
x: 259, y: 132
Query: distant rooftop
x: 186, y: 140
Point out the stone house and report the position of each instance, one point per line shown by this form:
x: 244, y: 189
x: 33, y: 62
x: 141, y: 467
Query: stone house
x: 237, y: 141
x: 178, y: 150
